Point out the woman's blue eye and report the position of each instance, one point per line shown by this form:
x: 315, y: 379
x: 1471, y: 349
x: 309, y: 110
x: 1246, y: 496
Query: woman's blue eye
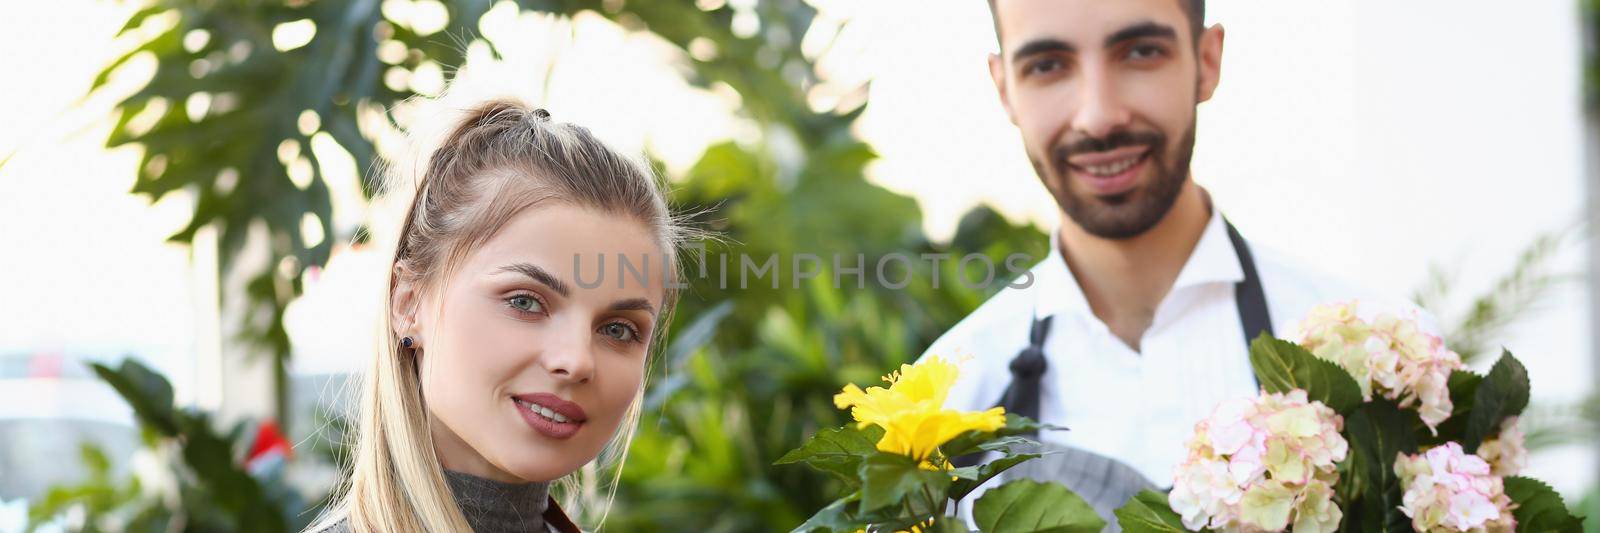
x: 619, y: 331
x: 525, y: 303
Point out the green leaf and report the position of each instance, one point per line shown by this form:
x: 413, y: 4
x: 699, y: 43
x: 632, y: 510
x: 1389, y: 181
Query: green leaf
x: 893, y: 480
x: 1503, y: 393
x: 1539, y: 507
x: 208, y: 455
x: 1148, y: 512
x: 1463, y: 386
x: 687, y: 341
x: 982, y: 473
x: 1026, y: 505
x: 836, y: 517
x: 138, y: 17
x: 94, y: 460
x: 1006, y: 444
x: 1378, y: 432
x: 149, y: 394
x: 1282, y: 366
x: 1377, y: 511
x: 974, y: 441
x: 838, y: 451
x: 212, y: 459
x: 168, y: 42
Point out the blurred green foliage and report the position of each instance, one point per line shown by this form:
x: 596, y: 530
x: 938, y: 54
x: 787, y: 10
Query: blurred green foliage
x: 199, y: 483
x: 748, y: 374
x: 230, y: 117
x: 1516, y: 294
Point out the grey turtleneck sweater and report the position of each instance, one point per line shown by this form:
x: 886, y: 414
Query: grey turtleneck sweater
x: 490, y: 506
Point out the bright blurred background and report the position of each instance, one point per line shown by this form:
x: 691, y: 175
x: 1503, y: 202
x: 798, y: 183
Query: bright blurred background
x: 1444, y: 150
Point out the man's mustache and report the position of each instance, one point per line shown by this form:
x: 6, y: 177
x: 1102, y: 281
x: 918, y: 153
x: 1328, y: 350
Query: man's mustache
x: 1120, y: 139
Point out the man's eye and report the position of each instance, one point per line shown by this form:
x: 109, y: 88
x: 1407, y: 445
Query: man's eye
x: 525, y: 303
x: 1145, y: 52
x: 1042, y: 66
x: 619, y: 331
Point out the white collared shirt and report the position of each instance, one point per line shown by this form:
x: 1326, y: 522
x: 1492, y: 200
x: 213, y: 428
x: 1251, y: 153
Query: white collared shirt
x: 1138, y: 407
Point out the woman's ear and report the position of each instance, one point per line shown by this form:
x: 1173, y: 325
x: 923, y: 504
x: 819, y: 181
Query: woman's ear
x: 403, y: 300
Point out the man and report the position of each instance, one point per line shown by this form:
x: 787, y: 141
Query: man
x: 1136, y: 325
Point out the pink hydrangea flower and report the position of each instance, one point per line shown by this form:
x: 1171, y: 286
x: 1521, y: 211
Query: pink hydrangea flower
x: 1506, y: 453
x: 1263, y: 464
x: 1390, y: 356
x: 1447, y: 489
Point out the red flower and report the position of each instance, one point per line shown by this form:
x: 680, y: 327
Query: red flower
x: 269, y: 443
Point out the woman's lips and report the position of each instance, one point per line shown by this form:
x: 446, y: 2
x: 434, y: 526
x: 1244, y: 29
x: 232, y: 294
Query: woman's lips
x: 550, y: 415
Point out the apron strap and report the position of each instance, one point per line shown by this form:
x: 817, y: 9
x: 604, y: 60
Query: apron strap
x: 1247, y: 294
x: 1027, y: 369
x: 1022, y: 395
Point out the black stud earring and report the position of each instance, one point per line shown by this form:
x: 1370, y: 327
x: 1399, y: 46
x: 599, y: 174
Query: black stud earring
x: 406, y: 342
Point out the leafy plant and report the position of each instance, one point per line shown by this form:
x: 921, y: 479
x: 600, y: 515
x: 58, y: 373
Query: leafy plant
x: 894, y: 463
x: 1379, y: 431
x: 105, y: 503
x: 212, y: 492
x: 236, y: 104
x: 230, y: 116
x: 1511, y: 296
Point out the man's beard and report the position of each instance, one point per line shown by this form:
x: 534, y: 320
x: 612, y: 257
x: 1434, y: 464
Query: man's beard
x: 1128, y: 214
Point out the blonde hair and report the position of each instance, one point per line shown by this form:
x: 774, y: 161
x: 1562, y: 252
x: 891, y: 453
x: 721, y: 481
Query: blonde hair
x: 499, y: 158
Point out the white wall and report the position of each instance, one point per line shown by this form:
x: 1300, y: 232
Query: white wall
x: 83, y: 266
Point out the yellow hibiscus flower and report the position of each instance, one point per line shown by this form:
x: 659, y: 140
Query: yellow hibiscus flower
x: 911, y: 410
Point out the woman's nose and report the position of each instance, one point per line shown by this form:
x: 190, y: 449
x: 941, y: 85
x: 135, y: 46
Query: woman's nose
x: 569, y: 356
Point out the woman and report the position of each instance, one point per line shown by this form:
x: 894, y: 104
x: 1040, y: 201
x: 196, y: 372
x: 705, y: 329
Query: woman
x: 505, y: 370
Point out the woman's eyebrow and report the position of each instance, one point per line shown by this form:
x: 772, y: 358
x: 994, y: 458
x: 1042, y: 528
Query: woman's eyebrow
x: 540, y: 275
x: 634, y: 304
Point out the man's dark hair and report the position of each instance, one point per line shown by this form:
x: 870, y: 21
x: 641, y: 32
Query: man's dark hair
x: 1195, y: 8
